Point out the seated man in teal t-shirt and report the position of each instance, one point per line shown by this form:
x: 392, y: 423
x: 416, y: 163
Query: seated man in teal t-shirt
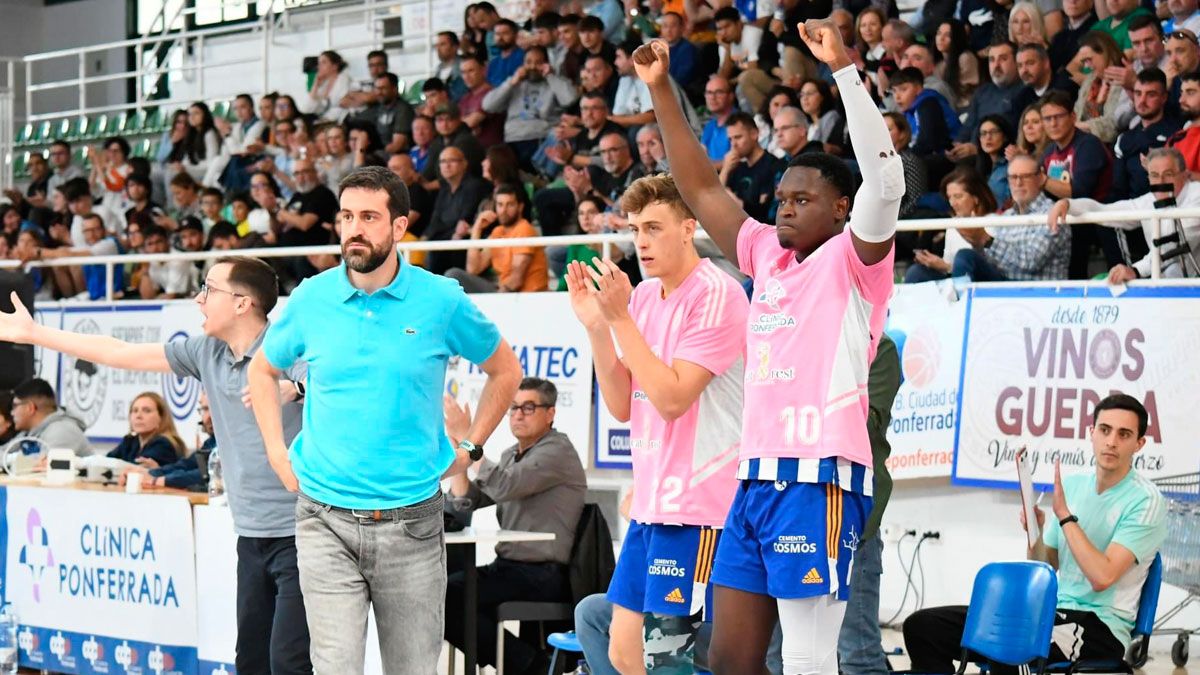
x: 1107, y: 525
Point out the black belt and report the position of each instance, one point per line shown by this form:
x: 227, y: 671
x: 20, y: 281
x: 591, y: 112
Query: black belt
x: 421, y: 509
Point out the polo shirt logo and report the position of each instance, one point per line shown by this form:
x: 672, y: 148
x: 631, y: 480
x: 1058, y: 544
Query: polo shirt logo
x: 410, y: 331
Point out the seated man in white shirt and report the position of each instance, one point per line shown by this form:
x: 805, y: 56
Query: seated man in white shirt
x: 1168, y: 172
x: 166, y: 280
x: 239, y: 136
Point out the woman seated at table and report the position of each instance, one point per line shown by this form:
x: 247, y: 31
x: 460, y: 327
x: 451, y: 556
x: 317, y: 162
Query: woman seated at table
x: 153, y: 440
x: 186, y: 472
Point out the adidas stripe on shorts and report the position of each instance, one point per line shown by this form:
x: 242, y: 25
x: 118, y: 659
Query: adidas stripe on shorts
x: 791, y: 540
x: 665, y: 569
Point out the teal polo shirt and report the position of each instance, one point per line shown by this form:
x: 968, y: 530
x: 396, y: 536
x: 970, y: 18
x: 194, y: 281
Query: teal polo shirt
x: 1132, y: 513
x: 373, y: 435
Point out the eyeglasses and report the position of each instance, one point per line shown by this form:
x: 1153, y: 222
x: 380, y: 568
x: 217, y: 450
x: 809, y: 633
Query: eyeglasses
x: 990, y: 132
x: 1182, y: 35
x: 1051, y: 119
x: 527, y: 408
x: 1018, y: 177
x: 205, y: 288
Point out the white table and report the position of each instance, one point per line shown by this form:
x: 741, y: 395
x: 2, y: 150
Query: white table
x: 472, y: 536
x: 469, y: 537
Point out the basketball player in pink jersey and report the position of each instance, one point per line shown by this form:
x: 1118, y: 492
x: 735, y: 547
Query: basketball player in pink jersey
x: 669, y: 361
x: 818, y: 309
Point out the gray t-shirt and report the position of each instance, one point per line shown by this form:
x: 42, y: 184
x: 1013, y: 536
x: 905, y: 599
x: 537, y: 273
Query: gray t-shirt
x: 260, y: 505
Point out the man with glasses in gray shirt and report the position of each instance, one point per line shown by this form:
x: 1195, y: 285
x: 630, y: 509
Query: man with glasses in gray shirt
x: 237, y: 295
x: 537, y: 486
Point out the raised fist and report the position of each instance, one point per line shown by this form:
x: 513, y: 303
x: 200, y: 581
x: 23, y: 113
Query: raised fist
x: 652, y: 62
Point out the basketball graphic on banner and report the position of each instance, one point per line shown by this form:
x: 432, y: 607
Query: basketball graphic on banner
x: 922, y: 352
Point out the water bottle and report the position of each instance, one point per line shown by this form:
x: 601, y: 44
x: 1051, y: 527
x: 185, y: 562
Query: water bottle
x: 8, y: 640
x: 216, y: 483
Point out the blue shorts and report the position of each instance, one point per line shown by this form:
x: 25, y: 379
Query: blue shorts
x: 791, y: 540
x: 665, y: 569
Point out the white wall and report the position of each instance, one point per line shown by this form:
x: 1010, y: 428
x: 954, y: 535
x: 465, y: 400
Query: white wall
x: 30, y: 27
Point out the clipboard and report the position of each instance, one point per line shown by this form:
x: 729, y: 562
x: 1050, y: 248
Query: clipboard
x: 1028, y: 498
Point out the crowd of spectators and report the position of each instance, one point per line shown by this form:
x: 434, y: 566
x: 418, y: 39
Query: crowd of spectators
x: 537, y: 127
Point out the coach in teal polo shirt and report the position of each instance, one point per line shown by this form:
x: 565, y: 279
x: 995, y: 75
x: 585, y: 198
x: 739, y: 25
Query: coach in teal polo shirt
x: 377, y: 334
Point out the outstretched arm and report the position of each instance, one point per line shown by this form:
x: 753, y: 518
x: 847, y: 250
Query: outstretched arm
x: 719, y: 214
x: 20, y: 327
x: 877, y: 203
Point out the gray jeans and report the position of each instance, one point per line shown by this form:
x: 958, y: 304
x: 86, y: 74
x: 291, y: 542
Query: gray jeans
x: 350, y: 562
x: 860, y: 646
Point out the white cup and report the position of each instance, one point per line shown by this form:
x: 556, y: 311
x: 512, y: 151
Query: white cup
x: 133, y: 482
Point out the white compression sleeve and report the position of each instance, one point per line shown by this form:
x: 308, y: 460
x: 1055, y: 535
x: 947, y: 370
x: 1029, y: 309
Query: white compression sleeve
x: 877, y: 203
x: 811, y: 627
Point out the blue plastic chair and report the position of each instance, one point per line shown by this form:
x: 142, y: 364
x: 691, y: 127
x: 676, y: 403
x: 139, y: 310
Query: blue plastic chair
x: 562, y: 642
x: 1143, y: 626
x: 1011, y: 616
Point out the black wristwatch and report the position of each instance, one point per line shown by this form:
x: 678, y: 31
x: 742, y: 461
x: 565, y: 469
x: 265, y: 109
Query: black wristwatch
x: 475, y: 452
x: 1069, y: 519
x: 299, y: 389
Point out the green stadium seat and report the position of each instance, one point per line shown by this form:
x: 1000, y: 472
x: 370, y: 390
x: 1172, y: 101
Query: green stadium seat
x: 25, y: 135
x: 98, y: 126
x: 43, y: 133
x: 135, y: 123
x: 414, y: 95
x: 20, y: 163
x: 116, y: 123
x: 154, y: 121
x: 221, y: 109
x: 145, y: 148
x: 80, y: 128
x: 79, y: 157
x: 61, y: 130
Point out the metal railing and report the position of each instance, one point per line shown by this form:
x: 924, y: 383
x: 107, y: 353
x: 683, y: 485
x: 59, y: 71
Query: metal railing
x: 606, y: 241
x: 7, y: 140
x: 276, y: 14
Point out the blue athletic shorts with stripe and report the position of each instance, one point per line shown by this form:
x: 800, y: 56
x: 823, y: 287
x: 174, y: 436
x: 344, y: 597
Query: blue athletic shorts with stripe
x: 665, y: 569
x: 787, y: 539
